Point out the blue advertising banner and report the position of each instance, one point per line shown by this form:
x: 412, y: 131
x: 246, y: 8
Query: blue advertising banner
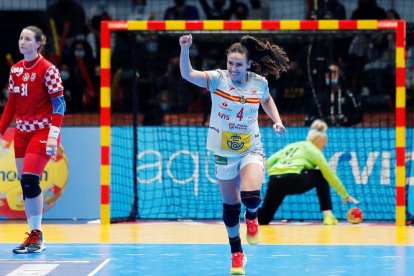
x: 176, y: 174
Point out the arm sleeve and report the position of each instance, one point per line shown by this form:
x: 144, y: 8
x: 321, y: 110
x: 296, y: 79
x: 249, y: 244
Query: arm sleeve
x: 59, y: 108
x: 319, y: 160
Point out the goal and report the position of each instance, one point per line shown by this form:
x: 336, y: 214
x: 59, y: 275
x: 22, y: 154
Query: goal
x: 154, y: 164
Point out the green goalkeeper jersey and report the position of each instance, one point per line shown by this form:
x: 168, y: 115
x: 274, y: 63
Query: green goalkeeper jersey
x: 300, y: 156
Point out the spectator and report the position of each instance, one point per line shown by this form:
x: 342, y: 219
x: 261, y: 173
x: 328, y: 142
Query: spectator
x: 259, y: 9
x: 140, y: 11
x: 368, y: 9
x: 241, y: 11
x: 340, y: 106
x: 181, y: 11
x: 69, y: 17
x: 217, y: 11
x: 392, y: 15
x: 334, y: 10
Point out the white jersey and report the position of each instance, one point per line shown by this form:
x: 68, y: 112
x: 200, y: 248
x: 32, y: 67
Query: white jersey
x: 234, y: 129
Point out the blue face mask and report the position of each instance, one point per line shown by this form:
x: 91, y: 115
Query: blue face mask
x: 332, y: 81
x: 152, y: 46
x: 65, y: 75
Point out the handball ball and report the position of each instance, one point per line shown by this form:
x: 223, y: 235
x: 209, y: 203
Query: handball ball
x: 355, y: 215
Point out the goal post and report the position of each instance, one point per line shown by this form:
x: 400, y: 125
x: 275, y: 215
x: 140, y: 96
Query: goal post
x: 397, y: 26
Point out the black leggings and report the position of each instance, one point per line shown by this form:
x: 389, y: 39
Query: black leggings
x: 292, y: 184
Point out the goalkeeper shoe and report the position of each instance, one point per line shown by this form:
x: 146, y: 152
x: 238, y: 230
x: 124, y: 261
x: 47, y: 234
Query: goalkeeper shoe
x: 34, y: 243
x: 238, y: 261
x: 330, y: 220
x: 253, y: 235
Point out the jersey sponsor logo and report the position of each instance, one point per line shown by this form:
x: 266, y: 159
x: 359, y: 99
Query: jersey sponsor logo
x: 224, y: 105
x: 17, y: 70
x: 16, y: 89
x: 237, y: 126
x: 26, y: 76
x: 33, y: 77
x: 224, y: 116
x: 239, y: 142
x: 220, y: 160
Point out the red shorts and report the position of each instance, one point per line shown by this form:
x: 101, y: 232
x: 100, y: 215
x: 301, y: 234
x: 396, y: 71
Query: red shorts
x: 31, y: 142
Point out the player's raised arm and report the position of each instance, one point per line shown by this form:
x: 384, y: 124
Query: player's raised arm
x: 187, y: 72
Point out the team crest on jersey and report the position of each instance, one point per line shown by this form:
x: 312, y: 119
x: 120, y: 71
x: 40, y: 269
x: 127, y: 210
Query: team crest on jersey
x: 242, y: 99
x: 26, y: 76
x: 33, y: 77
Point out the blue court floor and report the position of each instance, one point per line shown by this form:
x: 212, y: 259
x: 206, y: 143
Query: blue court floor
x: 208, y: 259
x: 186, y: 248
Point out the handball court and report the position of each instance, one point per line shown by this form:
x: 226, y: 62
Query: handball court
x: 200, y: 248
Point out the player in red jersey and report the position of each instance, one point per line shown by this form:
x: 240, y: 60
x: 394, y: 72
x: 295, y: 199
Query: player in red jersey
x: 36, y: 100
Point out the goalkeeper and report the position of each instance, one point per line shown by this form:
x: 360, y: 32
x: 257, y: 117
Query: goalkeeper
x: 292, y: 170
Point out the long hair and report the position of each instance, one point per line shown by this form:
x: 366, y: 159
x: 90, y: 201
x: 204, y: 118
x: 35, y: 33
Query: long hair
x: 317, y: 130
x: 39, y: 36
x: 267, y: 58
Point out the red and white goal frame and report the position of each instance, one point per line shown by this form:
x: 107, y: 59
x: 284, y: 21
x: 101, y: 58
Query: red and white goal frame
x: 253, y: 25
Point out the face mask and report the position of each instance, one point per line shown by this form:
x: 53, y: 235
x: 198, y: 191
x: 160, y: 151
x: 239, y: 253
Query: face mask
x: 152, y: 46
x: 165, y: 106
x: 65, y: 75
x: 332, y: 81
x: 79, y: 53
x: 194, y: 53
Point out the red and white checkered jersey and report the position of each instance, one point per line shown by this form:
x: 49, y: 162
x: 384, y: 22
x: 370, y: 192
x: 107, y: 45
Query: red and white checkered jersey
x: 34, y: 84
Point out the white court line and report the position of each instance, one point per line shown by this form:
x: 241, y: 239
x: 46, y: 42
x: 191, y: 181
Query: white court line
x: 33, y: 269
x: 99, y: 267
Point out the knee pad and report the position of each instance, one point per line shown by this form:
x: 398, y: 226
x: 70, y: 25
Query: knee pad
x: 251, y: 199
x: 30, y: 185
x: 231, y: 214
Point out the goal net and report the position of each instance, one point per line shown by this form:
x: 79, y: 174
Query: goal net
x: 154, y: 124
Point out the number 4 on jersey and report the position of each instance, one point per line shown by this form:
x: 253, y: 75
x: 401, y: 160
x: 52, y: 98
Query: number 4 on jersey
x: 240, y: 114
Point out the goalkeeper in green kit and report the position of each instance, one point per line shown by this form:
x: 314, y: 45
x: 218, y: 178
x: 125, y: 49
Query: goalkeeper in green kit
x: 293, y: 170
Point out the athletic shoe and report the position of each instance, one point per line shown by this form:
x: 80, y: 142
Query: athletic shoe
x: 253, y: 235
x: 330, y: 220
x: 34, y: 243
x: 238, y: 261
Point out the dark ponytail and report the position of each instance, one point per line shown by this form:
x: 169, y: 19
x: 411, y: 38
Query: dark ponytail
x: 267, y: 58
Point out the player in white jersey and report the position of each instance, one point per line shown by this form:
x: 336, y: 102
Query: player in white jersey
x: 234, y: 134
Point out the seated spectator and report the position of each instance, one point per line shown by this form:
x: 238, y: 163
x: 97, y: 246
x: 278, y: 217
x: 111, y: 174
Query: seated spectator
x: 181, y: 11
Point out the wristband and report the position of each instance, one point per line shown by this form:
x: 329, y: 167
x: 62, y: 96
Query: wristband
x: 54, y: 132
